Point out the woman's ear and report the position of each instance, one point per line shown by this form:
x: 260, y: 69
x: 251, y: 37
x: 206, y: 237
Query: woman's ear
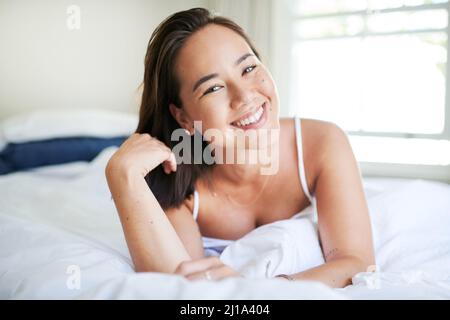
x: 181, y: 117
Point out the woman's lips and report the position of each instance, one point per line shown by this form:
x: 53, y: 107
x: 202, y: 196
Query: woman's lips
x: 258, y: 124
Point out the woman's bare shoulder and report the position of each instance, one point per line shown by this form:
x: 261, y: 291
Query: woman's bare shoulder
x: 316, y: 134
x: 319, y: 138
x: 311, y: 127
x: 185, y: 208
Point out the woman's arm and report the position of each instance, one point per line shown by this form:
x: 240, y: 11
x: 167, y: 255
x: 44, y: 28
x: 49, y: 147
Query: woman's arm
x: 343, y: 215
x: 187, y: 229
x: 152, y: 241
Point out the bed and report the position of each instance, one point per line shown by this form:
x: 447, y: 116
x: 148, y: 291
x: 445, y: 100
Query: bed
x: 60, y: 238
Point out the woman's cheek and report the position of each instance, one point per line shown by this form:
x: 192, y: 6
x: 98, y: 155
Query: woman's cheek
x: 214, y: 119
x: 266, y: 83
x: 268, y: 89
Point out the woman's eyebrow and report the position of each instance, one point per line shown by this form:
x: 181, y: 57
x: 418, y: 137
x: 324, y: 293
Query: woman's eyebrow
x: 245, y: 56
x: 214, y: 75
x: 204, y: 79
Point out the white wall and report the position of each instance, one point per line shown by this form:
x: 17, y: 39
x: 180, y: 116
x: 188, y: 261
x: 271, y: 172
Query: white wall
x: 43, y: 64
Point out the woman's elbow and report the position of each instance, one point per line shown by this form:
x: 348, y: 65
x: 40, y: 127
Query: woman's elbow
x: 364, y: 263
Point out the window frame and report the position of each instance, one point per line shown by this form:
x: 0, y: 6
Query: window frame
x: 445, y: 134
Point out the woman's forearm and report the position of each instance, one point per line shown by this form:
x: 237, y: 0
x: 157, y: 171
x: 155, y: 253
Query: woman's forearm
x: 153, y: 242
x: 336, y: 273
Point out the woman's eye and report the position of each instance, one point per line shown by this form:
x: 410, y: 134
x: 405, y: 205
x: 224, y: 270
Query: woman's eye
x: 212, y: 89
x: 249, y: 69
x: 215, y: 88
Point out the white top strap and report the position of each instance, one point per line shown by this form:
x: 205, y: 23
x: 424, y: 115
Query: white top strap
x: 301, y: 166
x: 196, y: 205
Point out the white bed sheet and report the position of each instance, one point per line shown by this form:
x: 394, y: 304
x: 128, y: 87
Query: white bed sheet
x: 58, y: 217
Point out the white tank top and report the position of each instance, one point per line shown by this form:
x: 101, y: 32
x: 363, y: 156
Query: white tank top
x: 215, y: 246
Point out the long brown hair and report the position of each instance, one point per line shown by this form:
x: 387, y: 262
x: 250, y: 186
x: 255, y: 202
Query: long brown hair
x: 161, y: 87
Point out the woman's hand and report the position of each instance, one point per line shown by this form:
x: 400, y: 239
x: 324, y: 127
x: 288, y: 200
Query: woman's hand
x: 140, y: 154
x: 211, y: 268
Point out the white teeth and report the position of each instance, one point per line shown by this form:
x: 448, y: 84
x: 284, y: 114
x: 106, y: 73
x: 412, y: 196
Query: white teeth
x: 251, y: 119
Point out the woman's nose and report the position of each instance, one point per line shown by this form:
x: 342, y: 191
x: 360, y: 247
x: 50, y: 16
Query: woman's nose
x: 242, y: 97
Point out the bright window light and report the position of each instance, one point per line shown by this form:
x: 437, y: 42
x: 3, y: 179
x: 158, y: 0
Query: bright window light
x: 399, y: 150
x: 377, y: 68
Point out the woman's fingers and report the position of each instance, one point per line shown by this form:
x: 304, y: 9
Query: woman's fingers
x: 172, y: 161
x: 213, y: 274
x: 189, y: 267
x: 170, y: 164
x: 142, y: 153
x: 211, y: 268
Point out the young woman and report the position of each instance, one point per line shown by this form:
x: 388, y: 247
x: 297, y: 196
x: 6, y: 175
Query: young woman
x: 200, y: 67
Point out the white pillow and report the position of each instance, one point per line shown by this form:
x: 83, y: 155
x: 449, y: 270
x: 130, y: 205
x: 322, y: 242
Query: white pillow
x: 62, y: 123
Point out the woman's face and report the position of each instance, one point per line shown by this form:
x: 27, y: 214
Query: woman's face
x: 224, y: 85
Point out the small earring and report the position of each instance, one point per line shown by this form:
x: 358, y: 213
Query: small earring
x: 187, y: 132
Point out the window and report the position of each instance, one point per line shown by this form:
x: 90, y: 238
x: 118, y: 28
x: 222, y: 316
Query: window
x: 377, y: 68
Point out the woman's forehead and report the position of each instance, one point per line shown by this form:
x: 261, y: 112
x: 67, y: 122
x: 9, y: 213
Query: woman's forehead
x: 209, y: 48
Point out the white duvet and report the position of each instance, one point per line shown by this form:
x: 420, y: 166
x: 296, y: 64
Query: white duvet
x: 60, y: 238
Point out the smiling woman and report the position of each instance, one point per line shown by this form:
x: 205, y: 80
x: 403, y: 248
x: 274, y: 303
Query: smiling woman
x: 203, y: 68
x: 179, y: 88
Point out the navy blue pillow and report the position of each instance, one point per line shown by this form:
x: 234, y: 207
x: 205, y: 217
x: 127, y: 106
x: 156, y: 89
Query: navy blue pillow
x: 28, y: 155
